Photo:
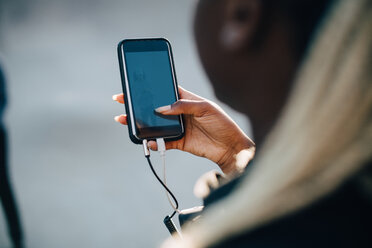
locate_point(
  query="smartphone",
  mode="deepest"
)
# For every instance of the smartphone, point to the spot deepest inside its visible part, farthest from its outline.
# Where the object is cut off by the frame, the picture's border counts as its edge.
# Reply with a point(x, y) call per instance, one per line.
point(149, 81)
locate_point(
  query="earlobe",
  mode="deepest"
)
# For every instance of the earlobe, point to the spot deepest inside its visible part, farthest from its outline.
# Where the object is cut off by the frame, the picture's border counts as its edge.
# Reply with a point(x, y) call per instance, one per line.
point(240, 24)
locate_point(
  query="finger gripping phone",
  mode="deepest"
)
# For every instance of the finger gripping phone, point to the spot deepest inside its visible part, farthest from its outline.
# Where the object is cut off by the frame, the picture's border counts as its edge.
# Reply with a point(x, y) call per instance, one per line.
point(149, 81)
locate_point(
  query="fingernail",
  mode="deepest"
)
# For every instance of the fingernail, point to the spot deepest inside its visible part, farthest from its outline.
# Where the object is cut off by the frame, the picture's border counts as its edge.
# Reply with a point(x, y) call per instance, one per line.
point(116, 118)
point(115, 97)
point(163, 109)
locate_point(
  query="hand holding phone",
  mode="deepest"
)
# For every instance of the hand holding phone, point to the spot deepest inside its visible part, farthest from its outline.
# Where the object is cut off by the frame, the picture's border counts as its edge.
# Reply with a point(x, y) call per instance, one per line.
point(209, 131)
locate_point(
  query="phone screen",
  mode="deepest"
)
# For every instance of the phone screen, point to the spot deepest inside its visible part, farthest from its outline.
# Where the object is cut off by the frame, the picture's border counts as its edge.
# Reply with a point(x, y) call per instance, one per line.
point(151, 84)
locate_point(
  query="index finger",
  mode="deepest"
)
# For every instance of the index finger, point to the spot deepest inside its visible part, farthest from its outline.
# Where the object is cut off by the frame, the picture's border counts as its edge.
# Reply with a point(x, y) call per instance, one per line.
point(185, 94)
point(118, 97)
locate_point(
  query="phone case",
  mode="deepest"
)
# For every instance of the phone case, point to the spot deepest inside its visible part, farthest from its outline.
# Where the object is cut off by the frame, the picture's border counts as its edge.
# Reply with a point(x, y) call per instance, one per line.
point(132, 137)
point(120, 56)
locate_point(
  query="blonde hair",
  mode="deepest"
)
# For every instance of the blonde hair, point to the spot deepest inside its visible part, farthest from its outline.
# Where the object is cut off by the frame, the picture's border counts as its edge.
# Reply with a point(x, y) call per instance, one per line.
point(323, 137)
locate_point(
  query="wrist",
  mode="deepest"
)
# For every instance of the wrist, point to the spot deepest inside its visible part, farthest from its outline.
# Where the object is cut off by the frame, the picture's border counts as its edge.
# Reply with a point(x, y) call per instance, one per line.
point(237, 157)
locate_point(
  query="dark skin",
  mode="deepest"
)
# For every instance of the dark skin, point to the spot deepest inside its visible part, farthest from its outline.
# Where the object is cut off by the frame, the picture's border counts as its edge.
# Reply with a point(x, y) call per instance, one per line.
point(250, 53)
point(253, 77)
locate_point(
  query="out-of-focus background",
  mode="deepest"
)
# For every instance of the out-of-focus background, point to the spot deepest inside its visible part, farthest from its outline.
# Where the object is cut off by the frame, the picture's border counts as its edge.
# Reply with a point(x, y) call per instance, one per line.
point(78, 179)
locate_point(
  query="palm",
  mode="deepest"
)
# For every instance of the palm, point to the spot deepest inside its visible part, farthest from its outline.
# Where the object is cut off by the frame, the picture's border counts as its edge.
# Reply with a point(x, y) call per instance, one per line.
point(199, 141)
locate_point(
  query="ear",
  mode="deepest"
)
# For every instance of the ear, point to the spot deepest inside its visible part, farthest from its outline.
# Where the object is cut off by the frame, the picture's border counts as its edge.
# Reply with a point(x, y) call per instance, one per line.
point(241, 19)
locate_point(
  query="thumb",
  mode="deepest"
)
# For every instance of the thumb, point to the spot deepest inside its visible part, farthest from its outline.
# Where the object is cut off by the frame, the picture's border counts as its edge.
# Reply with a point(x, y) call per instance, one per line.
point(185, 106)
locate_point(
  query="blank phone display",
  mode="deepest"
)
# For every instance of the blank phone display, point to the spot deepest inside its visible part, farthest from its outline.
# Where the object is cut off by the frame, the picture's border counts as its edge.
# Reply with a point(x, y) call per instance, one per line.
point(151, 85)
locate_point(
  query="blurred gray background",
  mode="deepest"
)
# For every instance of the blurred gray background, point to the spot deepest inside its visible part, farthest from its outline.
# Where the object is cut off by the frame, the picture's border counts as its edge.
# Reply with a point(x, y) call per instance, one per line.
point(78, 179)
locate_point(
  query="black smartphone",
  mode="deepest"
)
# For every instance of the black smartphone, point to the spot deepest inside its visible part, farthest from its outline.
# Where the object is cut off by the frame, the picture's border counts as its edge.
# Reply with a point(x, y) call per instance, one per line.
point(149, 81)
